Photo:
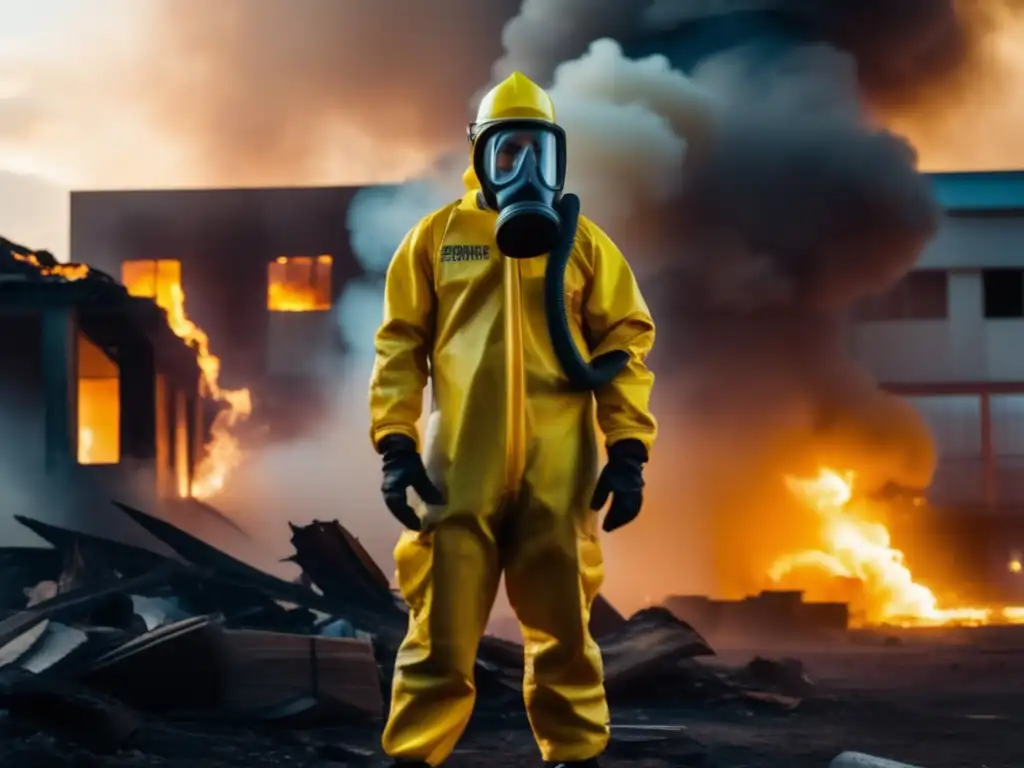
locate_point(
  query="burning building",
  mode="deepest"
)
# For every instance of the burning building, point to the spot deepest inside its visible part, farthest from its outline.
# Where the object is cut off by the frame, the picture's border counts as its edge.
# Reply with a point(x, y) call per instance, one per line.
point(260, 270)
point(97, 388)
point(947, 337)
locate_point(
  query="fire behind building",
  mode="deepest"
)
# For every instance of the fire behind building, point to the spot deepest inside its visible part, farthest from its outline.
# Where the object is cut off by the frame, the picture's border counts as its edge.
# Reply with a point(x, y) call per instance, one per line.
point(134, 376)
point(259, 270)
point(97, 390)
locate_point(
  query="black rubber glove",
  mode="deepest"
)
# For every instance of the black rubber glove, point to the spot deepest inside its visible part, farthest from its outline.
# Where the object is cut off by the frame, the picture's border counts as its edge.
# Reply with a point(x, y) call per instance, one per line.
point(403, 469)
point(623, 480)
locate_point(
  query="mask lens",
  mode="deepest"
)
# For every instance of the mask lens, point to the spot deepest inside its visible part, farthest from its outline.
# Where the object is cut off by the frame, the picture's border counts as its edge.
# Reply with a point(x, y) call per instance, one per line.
point(506, 151)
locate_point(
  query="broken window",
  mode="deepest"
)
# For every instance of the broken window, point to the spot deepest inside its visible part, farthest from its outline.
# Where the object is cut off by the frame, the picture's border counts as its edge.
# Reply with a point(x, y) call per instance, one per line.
point(155, 279)
point(1003, 292)
point(99, 405)
point(299, 284)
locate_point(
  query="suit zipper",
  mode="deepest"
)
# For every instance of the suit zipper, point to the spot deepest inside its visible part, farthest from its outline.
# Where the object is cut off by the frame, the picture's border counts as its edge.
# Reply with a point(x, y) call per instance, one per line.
point(515, 413)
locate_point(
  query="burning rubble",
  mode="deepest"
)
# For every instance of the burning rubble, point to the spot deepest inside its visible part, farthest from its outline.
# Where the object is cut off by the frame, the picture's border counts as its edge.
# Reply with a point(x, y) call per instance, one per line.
point(160, 281)
point(856, 549)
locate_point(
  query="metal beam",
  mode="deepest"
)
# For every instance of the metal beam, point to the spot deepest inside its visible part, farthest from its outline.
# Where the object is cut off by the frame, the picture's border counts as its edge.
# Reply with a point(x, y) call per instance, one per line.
point(60, 387)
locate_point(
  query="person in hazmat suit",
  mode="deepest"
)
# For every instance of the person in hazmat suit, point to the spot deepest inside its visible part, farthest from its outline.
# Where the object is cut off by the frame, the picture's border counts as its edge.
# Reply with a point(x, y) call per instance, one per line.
point(491, 299)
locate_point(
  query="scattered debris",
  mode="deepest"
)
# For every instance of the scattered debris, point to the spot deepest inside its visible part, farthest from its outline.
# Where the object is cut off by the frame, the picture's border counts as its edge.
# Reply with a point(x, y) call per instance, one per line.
point(783, 676)
point(264, 670)
point(776, 614)
point(646, 649)
point(96, 631)
point(637, 742)
point(101, 724)
point(604, 618)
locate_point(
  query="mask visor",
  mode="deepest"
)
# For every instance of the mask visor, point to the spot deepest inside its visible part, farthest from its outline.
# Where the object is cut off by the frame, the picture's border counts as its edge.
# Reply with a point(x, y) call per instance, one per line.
point(506, 153)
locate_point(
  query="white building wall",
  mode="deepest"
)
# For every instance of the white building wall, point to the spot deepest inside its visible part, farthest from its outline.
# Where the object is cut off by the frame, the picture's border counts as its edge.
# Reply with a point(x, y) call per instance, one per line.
point(977, 242)
point(967, 348)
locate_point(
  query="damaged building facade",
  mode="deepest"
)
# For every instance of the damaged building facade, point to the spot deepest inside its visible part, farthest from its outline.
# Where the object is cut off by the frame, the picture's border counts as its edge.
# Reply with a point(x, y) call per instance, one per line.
point(259, 270)
point(100, 390)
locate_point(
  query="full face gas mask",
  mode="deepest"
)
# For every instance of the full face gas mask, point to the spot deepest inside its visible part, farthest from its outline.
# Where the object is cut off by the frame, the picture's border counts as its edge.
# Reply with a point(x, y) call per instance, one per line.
point(521, 167)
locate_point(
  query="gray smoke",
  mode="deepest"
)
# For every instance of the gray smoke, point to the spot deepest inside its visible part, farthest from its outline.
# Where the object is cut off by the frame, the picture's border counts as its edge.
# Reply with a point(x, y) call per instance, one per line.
point(752, 195)
point(758, 204)
point(546, 33)
point(900, 46)
point(264, 91)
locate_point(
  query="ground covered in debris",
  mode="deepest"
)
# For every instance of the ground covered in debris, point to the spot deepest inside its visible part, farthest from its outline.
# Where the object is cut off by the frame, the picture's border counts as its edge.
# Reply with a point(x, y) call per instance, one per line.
point(937, 707)
point(112, 655)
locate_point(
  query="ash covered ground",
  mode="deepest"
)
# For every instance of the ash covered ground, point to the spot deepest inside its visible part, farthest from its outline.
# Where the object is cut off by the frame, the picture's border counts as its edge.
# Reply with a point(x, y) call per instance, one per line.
point(934, 701)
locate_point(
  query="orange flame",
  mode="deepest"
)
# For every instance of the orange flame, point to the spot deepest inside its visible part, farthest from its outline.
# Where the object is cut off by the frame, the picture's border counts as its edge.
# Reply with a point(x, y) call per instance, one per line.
point(854, 546)
point(299, 284)
point(70, 272)
point(223, 451)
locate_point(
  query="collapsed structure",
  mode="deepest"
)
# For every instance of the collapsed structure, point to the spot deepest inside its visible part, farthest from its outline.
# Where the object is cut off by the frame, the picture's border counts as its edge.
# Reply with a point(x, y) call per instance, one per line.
point(262, 270)
point(95, 384)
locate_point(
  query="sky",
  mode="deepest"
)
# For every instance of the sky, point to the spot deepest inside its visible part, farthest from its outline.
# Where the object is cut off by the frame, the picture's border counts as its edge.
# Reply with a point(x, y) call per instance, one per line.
point(35, 177)
point(142, 93)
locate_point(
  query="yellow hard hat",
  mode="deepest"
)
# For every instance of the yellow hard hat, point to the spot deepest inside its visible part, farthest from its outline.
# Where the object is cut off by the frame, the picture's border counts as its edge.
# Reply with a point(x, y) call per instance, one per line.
point(516, 97)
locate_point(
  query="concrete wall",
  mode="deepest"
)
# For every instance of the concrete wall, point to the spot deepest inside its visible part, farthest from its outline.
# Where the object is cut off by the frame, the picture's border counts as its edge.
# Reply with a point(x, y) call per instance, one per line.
point(22, 407)
point(977, 242)
point(964, 348)
point(303, 344)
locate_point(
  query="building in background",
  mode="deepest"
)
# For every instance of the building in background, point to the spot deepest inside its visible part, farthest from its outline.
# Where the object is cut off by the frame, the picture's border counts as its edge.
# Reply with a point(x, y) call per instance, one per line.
point(950, 338)
point(258, 270)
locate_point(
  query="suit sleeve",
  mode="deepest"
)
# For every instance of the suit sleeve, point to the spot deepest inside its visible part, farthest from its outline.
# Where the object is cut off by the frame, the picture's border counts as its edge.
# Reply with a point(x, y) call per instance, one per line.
point(403, 342)
point(617, 318)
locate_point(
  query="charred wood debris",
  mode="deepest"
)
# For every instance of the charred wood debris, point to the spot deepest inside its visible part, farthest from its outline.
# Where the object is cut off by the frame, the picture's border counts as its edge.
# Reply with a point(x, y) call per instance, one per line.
point(99, 637)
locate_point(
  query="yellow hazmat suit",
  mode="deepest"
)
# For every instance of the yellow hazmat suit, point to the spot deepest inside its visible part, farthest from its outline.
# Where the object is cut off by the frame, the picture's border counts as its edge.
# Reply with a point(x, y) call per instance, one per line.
point(514, 451)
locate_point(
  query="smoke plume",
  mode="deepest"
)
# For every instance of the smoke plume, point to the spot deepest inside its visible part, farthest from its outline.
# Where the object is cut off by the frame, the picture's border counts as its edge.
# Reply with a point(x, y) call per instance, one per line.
point(757, 203)
point(269, 89)
point(157, 93)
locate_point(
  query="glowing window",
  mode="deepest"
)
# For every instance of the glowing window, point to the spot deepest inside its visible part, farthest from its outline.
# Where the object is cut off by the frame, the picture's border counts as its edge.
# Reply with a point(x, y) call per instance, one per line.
point(153, 279)
point(99, 405)
point(299, 284)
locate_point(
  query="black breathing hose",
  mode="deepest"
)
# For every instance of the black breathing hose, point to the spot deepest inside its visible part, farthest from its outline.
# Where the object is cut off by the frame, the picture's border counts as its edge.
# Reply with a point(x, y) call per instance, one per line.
point(582, 375)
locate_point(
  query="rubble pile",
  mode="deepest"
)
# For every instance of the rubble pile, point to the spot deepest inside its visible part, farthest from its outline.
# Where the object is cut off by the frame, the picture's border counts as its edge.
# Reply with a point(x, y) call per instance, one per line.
point(95, 631)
